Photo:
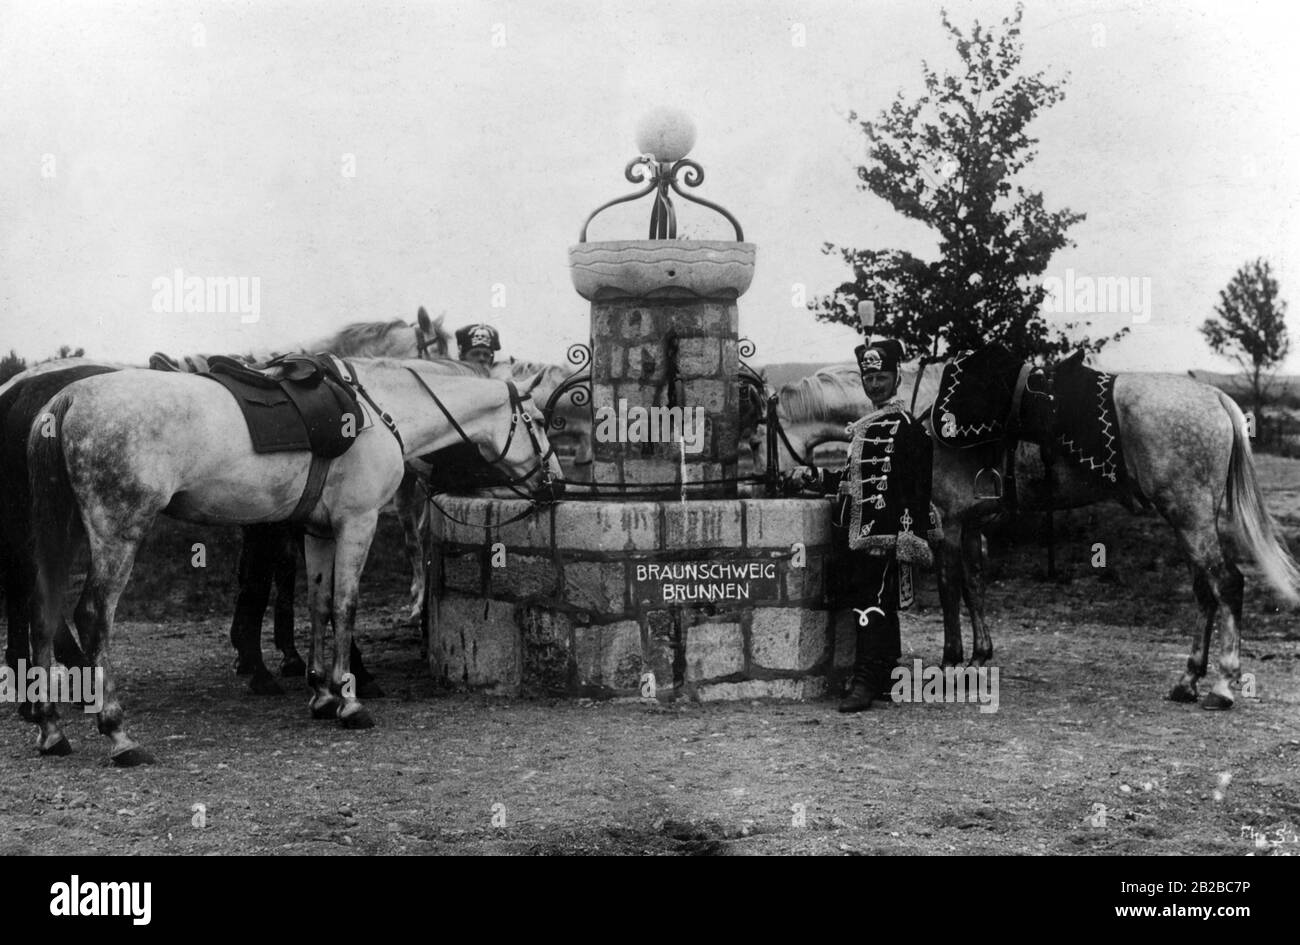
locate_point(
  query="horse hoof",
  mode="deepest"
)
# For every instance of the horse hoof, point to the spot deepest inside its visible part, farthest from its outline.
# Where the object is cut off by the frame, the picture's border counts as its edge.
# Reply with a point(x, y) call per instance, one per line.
point(131, 757)
point(244, 667)
point(58, 749)
point(370, 689)
point(358, 719)
point(292, 667)
point(1182, 694)
point(329, 709)
point(264, 684)
point(1215, 702)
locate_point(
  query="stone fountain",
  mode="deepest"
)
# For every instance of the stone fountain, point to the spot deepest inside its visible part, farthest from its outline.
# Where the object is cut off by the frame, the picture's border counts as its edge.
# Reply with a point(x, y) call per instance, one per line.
point(656, 580)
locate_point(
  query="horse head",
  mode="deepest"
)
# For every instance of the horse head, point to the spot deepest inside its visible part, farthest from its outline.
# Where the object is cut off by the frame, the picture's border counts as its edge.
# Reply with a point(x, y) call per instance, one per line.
point(530, 458)
point(431, 339)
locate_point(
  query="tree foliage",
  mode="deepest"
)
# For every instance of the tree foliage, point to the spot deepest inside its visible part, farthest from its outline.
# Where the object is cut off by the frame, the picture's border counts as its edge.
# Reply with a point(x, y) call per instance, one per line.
point(1250, 326)
point(949, 160)
point(10, 365)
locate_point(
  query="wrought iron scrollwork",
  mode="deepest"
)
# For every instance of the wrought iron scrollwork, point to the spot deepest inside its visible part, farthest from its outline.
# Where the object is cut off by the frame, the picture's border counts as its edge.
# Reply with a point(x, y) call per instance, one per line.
point(663, 178)
point(577, 386)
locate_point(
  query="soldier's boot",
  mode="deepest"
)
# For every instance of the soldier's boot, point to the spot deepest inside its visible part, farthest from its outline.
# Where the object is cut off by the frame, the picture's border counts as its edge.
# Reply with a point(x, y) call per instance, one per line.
point(874, 658)
point(859, 697)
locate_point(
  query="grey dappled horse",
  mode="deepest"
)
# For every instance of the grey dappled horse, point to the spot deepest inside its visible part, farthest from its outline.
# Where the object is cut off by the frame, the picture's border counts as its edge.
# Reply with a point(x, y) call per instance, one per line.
point(129, 445)
point(1185, 448)
point(269, 551)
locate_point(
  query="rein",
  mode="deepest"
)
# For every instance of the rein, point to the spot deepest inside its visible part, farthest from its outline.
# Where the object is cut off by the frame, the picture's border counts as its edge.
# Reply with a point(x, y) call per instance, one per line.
point(774, 424)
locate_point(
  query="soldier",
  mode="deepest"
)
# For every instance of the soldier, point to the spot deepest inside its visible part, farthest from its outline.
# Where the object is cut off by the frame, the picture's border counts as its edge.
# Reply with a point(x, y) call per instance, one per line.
point(882, 521)
point(478, 344)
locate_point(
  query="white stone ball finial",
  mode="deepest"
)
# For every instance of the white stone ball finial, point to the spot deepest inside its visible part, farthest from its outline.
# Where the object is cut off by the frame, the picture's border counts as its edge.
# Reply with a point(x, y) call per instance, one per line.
point(667, 133)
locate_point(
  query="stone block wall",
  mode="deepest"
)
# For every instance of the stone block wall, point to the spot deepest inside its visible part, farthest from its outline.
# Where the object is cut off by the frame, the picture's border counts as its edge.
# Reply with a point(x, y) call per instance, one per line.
point(553, 604)
point(661, 353)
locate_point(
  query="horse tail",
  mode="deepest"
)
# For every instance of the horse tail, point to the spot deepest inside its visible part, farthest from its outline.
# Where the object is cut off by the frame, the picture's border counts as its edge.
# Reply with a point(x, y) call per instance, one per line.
point(56, 519)
point(1257, 530)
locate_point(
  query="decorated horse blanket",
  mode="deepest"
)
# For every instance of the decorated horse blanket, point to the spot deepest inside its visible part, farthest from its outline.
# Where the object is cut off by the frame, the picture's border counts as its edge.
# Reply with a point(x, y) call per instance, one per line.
point(974, 402)
point(1086, 429)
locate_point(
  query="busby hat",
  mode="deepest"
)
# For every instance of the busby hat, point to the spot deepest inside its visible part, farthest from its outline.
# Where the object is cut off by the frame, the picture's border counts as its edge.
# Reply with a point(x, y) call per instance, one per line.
point(884, 355)
point(477, 336)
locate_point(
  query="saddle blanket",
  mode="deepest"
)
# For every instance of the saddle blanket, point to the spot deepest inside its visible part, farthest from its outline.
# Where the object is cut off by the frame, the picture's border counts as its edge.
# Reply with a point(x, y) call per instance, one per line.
point(1086, 429)
point(973, 404)
point(308, 406)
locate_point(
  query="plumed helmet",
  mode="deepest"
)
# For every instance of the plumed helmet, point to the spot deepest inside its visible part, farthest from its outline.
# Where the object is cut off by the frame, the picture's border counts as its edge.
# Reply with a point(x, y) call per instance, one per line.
point(884, 355)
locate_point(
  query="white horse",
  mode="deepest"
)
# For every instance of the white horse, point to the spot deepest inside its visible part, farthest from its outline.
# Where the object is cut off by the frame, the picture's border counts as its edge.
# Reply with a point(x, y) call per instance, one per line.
point(115, 450)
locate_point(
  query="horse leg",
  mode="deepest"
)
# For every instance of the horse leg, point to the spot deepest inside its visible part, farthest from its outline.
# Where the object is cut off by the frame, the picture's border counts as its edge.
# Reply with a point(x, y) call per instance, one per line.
point(113, 546)
point(1231, 592)
point(949, 572)
point(407, 502)
point(256, 559)
point(18, 644)
point(19, 585)
point(288, 538)
point(1209, 574)
point(46, 612)
point(972, 559)
point(367, 686)
point(319, 555)
point(351, 545)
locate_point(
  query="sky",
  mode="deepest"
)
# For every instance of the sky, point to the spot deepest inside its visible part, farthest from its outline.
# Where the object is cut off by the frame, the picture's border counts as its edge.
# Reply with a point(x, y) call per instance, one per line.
point(355, 161)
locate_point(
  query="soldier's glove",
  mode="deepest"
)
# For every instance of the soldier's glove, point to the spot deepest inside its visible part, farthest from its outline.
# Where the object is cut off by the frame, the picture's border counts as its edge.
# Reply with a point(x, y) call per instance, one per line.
point(799, 480)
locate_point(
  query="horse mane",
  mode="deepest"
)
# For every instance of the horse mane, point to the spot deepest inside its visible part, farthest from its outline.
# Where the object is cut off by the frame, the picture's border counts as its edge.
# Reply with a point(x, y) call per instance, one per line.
point(427, 365)
point(834, 394)
point(369, 339)
point(830, 394)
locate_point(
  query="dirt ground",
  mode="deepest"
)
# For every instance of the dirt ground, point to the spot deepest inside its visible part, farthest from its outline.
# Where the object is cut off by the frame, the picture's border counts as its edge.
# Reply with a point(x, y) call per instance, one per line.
point(1085, 754)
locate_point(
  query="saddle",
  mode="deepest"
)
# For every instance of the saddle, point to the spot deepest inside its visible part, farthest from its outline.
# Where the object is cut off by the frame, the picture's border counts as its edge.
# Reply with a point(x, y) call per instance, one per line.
point(1086, 425)
point(298, 402)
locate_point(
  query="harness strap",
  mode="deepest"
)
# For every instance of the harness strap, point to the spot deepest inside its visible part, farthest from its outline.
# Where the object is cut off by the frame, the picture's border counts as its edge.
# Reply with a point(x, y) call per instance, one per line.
point(311, 493)
point(349, 374)
point(1021, 381)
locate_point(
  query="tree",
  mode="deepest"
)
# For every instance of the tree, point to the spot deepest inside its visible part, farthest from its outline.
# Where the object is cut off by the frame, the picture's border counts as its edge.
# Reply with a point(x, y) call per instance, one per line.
point(949, 160)
point(1251, 328)
point(10, 365)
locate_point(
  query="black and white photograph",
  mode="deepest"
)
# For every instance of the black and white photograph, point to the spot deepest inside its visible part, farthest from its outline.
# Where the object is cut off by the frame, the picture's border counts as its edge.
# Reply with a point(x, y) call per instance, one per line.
point(755, 427)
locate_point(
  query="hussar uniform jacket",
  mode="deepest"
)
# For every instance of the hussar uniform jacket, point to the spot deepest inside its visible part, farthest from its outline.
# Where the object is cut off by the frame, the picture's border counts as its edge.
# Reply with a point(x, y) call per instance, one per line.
point(884, 488)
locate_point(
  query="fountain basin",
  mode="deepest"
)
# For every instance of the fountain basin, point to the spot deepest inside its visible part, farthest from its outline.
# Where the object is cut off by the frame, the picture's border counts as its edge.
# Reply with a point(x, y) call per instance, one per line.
point(714, 599)
point(651, 269)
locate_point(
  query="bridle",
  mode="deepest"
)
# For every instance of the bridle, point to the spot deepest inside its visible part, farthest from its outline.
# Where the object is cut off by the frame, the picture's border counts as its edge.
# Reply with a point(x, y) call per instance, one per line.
point(423, 343)
point(518, 412)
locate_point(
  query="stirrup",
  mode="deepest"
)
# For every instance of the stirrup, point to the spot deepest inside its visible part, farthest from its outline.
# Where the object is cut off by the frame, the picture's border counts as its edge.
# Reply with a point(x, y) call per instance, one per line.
point(988, 483)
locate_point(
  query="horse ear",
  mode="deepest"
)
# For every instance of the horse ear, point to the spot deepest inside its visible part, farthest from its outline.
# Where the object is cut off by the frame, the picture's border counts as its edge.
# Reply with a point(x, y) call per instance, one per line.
point(422, 317)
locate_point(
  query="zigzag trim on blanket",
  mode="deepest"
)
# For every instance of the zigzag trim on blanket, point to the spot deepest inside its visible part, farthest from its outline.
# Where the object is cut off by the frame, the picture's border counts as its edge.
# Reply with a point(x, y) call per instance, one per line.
point(1108, 466)
point(977, 429)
